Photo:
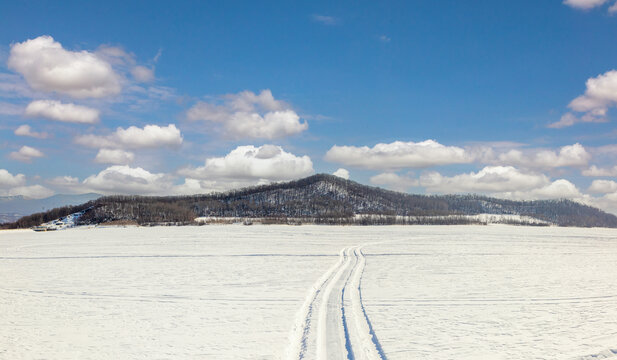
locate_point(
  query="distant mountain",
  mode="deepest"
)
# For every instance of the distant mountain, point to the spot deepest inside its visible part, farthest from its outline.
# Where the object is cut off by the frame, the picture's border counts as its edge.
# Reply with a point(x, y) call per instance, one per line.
point(331, 200)
point(15, 207)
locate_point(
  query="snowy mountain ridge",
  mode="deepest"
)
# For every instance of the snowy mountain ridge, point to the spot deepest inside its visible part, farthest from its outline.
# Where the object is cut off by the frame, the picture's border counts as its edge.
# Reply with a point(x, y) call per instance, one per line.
point(328, 199)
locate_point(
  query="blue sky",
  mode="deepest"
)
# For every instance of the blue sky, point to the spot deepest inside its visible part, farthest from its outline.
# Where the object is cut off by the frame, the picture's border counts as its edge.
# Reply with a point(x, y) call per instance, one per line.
point(510, 99)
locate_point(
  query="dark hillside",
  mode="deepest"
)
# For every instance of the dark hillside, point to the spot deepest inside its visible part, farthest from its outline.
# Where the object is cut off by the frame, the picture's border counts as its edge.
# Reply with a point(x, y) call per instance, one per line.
point(324, 199)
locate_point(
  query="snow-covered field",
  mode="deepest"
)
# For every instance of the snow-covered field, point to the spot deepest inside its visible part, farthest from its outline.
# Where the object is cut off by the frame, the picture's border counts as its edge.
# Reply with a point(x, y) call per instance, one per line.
point(313, 292)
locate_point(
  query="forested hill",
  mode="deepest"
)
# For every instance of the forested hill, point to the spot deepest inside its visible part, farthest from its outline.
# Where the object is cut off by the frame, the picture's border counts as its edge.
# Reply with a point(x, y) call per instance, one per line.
point(323, 199)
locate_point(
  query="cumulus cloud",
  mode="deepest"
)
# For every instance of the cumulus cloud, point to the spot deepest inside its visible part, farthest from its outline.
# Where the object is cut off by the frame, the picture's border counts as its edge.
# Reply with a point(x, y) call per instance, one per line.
point(394, 181)
point(570, 155)
point(250, 115)
point(122, 179)
point(585, 4)
point(48, 67)
point(196, 186)
point(600, 94)
point(12, 185)
point(608, 202)
point(26, 154)
point(599, 90)
point(254, 164)
point(596, 171)
point(31, 192)
point(499, 181)
point(491, 179)
point(603, 187)
point(398, 155)
point(150, 136)
point(199, 186)
point(55, 110)
point(244, 166)
point(503, 182)
point(429, 153)
point(26, 130)
point(558, 189)
point(342, 173)
point(114, 156)
point(8, 180)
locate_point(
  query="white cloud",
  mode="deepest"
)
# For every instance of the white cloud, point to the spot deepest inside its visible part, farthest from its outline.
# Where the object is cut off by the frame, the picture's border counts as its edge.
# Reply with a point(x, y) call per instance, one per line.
point(324, 19)
point(199, 186)
point(584, 4)
point(429, 153)
point(600, 94)
point(26, 154)
point(569, 119)
point(32, 191)
point(66, 182)
point(254, 165)
point(48, 67)
point(244, 166)
point(114, 156)
point(607, 202)
point(394, 181)
point(603, 187)
point(398, 155)
point(12, 185)
point(25, 130)
point(558, 189)
point(193, 186)
point(498, 181)
point(122, 179)
point(250, 115)
point(115, 55)
point(570, 155)
point(606, 150)
point(151, 136)
point(142, 74)
point(8, 180)
point(55, 110)
point(596, 171)
point(491, 179)
point(342, 173)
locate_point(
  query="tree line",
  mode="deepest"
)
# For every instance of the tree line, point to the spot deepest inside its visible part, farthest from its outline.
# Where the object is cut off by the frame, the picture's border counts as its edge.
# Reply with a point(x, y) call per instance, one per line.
point(320, 199)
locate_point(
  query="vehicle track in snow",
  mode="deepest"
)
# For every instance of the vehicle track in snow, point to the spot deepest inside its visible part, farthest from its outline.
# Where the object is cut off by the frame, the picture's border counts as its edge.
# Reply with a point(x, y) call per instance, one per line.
point(332, 323)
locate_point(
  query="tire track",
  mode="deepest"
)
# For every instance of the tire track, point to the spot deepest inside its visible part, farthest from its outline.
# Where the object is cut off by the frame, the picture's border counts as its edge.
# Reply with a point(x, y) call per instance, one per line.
point(298, 345)
point(366, 345)
point(330, 326)
point(332, 323)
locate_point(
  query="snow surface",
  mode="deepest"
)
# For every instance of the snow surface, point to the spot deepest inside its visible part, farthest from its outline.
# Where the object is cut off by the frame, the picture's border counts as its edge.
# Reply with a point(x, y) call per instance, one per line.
point(274, 292)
